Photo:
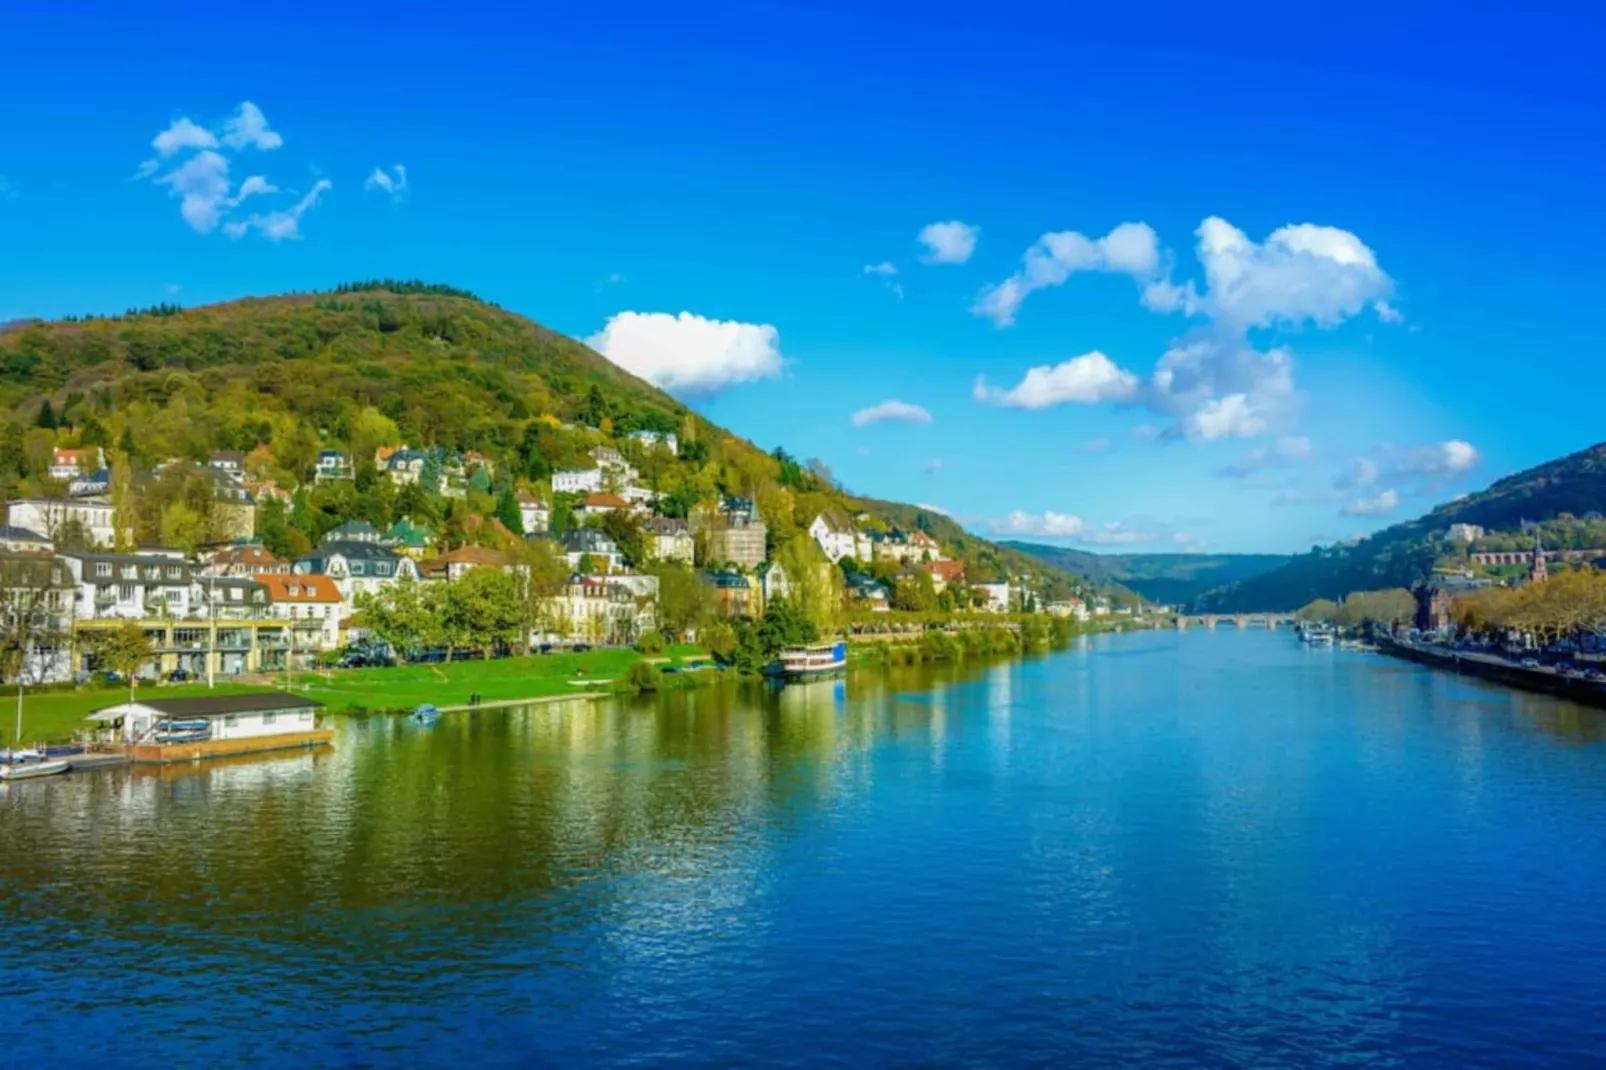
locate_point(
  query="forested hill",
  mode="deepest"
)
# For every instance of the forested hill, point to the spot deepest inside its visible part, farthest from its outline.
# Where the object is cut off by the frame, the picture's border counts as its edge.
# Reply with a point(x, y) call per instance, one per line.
point(368, 365)
point(1168, 579)
point(1400, 555)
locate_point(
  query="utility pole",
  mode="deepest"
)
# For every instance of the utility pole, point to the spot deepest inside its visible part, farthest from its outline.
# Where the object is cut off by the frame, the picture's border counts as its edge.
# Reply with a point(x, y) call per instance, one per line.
point(211, 631)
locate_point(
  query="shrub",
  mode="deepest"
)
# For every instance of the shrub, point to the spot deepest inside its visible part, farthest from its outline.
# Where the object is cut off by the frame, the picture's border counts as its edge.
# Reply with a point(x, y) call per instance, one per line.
point(651, 644)
point(643, 676)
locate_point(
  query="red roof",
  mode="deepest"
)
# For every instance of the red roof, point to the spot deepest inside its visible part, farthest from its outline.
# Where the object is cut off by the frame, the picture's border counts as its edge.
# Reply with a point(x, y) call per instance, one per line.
point(288, 588)
point(947, 571)
point(605, 501)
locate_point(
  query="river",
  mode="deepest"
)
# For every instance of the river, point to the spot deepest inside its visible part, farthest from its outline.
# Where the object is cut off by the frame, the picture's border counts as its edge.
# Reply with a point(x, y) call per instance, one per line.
point(1157, 849)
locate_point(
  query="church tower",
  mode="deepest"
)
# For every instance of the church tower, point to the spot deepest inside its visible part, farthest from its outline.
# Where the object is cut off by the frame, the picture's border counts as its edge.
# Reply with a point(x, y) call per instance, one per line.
point(1538, 573)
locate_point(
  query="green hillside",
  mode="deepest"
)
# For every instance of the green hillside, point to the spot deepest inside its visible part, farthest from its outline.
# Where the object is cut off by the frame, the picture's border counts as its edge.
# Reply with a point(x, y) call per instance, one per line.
point(1400, 555)
point(375, 364)
point(1169, 579)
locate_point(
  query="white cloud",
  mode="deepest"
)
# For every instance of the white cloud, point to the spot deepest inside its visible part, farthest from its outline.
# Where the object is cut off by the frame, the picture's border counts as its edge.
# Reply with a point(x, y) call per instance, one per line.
point(254, 186)
point(1213, 381)
point(1114, 533)
point(182, 135)
point(1382, 503)
point(932, 508)
point(1087, 380)
point(201, 179)
point(202, 185)
point(1443, 459)
point(1130, 249)
point(1387, 312)
point(689, 353)
point(1301, 272)
point(948, 243)
point(1285, 451)
point(891, 409)
point(1020, 522)
point(283, 225)
point(1096, 445)
point(933, 466)
point(1233, 416)
point(886, 267)
point(393, 183)
point(248, 128)
point(1361, 472)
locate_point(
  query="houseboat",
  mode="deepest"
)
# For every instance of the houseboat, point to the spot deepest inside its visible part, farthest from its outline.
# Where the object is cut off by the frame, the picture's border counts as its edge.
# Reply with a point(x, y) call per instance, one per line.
point(210, 726)
point(800, 662)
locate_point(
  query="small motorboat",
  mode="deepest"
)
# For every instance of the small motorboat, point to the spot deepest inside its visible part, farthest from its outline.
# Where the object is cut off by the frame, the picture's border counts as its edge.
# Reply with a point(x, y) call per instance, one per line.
point(426, 714)
point(24, 766)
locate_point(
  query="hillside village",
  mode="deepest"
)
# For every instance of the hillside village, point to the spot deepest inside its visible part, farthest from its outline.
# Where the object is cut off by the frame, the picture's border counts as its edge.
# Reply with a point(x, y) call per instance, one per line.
point(237, 563)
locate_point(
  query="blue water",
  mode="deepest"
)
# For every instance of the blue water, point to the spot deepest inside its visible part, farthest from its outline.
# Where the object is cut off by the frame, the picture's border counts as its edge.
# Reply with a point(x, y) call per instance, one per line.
point(1152, 850)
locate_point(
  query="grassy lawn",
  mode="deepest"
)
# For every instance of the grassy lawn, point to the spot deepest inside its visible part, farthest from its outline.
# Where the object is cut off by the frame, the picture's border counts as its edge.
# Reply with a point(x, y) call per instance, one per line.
point(52, 717)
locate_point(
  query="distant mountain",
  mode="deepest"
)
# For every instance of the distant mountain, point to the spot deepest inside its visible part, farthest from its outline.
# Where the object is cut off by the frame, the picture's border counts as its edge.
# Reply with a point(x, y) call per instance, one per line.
point(1400, 555)
point(1170, 579)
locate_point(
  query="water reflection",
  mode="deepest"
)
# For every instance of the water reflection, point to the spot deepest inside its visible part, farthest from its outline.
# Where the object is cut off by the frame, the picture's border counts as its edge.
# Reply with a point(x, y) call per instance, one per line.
point(1215, 844)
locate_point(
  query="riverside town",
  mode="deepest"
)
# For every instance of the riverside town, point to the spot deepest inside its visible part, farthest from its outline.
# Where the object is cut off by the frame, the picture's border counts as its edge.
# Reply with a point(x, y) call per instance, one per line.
point(840, 536)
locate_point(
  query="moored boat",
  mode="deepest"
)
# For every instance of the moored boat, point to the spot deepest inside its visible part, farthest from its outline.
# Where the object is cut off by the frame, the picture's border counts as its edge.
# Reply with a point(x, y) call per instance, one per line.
point(426, 714)
point(815, 659)
point(32, 767)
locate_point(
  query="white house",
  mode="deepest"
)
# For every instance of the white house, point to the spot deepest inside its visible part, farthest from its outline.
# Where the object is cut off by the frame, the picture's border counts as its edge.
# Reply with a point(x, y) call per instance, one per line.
point(589, 542)
point(21, 540)
point(998, 596)
point(67, 463)
point(356, 568)
point(247, 716)
point(332, 465)
point(311, 603)
point(129, 586)
point(668, 539)
point(1465, 533)
point(835, 535)
point(534, 514)
point(48, 516)
point(665, 439)
point(577, 481)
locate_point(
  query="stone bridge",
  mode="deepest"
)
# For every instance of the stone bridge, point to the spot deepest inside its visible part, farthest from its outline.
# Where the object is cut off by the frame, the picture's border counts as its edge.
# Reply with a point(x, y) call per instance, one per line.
point(1240, 621)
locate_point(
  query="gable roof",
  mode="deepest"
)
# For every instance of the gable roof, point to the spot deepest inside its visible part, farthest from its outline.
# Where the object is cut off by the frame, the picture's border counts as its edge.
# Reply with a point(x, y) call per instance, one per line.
point(604, 501)
point(587, 541)
point(836, 521)
point(252, 554)
point(305, 587)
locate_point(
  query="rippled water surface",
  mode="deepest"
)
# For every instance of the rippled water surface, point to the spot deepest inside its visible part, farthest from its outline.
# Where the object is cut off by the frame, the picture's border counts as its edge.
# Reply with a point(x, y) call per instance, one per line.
point(1215, 849)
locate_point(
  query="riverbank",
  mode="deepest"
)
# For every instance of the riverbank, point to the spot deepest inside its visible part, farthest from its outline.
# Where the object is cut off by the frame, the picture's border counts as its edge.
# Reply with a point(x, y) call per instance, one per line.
point(53, 716)
point(1543, 680)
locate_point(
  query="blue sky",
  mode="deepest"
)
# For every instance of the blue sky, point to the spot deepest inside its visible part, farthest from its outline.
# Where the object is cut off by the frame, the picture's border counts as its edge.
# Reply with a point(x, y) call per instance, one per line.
point(1394, 299)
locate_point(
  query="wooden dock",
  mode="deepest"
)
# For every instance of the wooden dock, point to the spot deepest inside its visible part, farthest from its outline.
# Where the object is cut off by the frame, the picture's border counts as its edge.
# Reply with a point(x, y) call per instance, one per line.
point(168, 753)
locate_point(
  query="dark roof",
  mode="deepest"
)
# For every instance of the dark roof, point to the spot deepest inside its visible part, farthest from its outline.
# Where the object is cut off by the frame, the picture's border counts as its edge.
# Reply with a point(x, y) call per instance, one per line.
point(217, 705)
point(16, 534)
point(587, 541)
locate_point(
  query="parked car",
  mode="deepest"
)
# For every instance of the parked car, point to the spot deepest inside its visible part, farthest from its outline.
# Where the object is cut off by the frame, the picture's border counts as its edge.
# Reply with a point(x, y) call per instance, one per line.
point(1594, 674)
point(1529, 663)
point(179, 676)
point(580, 648)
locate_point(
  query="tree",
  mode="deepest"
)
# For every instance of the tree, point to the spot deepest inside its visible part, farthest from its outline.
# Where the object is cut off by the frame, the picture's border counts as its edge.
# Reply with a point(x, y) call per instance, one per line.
point(47, 416)
point(816, 587)
point(626, 532)
point(124, 650)
point(72, 535)
point(507, 510)
point(273, 529)
point(483, 607)
point(125, 505)
point(32, 628)
point(125, 442)
point(684, 601)
point(396, 615)
point(914, 592)
point(1321, 610)
point(183, 527)
point(784, 625)
point(539, 575)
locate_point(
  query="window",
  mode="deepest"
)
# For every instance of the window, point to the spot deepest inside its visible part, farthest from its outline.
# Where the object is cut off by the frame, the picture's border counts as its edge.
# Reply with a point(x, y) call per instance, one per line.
point(125, 592)
point(268, 718)
point(103, 568)
point(304, 715)
point(230, 720)
point(130, 572)
point(174, 572)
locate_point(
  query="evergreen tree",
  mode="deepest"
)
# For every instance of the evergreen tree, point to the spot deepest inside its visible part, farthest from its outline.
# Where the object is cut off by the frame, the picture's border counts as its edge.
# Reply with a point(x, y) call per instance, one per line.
point(507, 511)
point(126, 442)
point(47, 416)
point(273, 528)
